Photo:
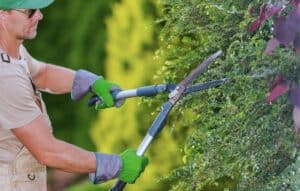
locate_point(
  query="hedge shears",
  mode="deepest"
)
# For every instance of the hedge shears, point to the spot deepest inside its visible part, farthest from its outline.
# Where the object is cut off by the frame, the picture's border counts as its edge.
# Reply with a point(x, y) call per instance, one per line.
point(175, 93)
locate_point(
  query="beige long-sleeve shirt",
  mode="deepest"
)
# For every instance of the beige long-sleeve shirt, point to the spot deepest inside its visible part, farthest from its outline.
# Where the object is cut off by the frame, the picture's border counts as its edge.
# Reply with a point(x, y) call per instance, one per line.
point(20, 103)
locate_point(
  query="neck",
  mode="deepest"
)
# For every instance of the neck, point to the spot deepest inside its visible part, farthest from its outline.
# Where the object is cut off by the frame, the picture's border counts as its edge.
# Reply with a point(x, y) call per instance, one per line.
point(10, 45)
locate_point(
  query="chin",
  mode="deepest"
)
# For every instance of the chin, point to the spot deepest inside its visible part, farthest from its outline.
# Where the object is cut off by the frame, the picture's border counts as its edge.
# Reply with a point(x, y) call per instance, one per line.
point(29, 37)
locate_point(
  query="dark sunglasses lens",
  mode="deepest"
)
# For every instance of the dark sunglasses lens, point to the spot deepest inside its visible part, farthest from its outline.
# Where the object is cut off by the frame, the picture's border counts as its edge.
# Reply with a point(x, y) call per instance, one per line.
point(31, 12)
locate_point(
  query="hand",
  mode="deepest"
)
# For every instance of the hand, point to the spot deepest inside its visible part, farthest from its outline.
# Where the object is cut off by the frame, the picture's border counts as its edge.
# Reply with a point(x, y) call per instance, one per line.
point(104, 90)
point(132, 166)
point(85, 82)
point(127, 166)
point(108, 166)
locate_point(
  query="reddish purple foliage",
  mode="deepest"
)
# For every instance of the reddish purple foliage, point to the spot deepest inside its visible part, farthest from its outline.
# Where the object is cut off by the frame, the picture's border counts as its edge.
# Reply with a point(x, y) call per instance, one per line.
point(297, 44)
point(278, 87)
point(286, 30)
point(295, 2)
point(266, 11)
point(271, 45)
point(295, 97)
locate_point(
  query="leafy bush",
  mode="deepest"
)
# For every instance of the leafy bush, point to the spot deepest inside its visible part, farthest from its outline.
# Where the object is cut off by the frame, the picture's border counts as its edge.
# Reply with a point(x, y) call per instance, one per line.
point(238, 140)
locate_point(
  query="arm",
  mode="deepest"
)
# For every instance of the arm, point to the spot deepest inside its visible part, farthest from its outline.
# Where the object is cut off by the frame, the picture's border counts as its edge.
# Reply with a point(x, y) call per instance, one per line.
point(55, 79)
point(52, 152)
point(20, 114)
point(59, 80)
point(48, 77)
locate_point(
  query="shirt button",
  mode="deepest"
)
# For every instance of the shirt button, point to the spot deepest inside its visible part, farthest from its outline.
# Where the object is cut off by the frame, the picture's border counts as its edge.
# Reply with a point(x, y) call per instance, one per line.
point(31, 176)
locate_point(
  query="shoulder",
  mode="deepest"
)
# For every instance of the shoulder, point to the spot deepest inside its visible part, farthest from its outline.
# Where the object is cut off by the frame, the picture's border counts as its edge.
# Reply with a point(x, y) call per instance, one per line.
point(10, 71)
point(14, 81)
point(18, 105)
point(34, 65)
point(14, 78)
point(4, 58)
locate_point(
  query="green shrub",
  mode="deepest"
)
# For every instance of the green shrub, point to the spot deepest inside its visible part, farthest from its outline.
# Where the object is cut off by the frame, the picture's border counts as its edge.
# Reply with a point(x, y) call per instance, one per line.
point(238, 140)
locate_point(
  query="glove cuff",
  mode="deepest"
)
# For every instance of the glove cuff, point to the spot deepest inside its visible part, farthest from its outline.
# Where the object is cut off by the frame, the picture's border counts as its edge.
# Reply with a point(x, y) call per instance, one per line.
point(82, 84)
point(108, 166)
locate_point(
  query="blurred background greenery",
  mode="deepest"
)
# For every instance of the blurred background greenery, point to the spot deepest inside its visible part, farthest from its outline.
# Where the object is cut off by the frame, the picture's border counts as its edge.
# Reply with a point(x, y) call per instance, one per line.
point(225, 139)
point(116, 39)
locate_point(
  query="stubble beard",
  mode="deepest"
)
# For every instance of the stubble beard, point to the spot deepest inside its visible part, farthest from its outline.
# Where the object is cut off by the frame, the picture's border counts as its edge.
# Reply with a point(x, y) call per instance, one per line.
point(29, 36)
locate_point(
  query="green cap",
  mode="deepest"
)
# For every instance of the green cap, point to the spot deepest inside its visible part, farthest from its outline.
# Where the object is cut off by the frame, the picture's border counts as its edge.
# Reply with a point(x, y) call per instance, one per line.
point(24, 4)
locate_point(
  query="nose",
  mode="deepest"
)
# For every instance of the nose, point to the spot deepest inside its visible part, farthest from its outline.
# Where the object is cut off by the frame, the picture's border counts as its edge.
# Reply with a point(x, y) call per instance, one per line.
point(38, 15)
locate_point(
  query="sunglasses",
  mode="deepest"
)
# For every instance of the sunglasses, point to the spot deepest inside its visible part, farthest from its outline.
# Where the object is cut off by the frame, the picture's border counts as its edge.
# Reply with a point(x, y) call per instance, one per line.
point(28, 12)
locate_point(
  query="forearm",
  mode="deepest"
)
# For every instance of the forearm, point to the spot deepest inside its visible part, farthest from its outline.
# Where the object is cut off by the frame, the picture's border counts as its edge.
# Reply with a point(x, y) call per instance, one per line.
point(38, 139)
point(69, 158)
point(52, 152)
point(54, 79)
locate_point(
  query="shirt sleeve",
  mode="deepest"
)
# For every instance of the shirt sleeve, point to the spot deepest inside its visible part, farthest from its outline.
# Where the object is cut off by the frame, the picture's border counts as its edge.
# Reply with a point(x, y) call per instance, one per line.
point(34, 65)
point(17, 104)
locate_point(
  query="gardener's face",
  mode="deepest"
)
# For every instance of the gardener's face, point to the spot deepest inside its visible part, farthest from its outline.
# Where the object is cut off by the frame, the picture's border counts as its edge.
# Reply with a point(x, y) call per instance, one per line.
point(22, 23)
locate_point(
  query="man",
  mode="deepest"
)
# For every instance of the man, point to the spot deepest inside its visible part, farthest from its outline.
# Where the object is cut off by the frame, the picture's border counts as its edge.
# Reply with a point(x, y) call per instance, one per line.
point(27, 145)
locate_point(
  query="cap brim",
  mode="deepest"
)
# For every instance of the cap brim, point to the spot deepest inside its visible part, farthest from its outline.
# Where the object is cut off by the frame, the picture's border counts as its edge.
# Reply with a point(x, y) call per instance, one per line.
point(35, 4)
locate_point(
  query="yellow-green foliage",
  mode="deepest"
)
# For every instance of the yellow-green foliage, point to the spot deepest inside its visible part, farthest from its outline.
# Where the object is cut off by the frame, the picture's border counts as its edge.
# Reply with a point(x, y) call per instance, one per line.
point(130, 51)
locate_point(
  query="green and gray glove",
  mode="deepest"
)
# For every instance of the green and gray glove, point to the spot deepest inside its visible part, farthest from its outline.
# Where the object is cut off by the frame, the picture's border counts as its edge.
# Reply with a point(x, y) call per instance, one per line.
point(104, 90)
point(101, 89)
point(127, 166)
point(132, 166)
